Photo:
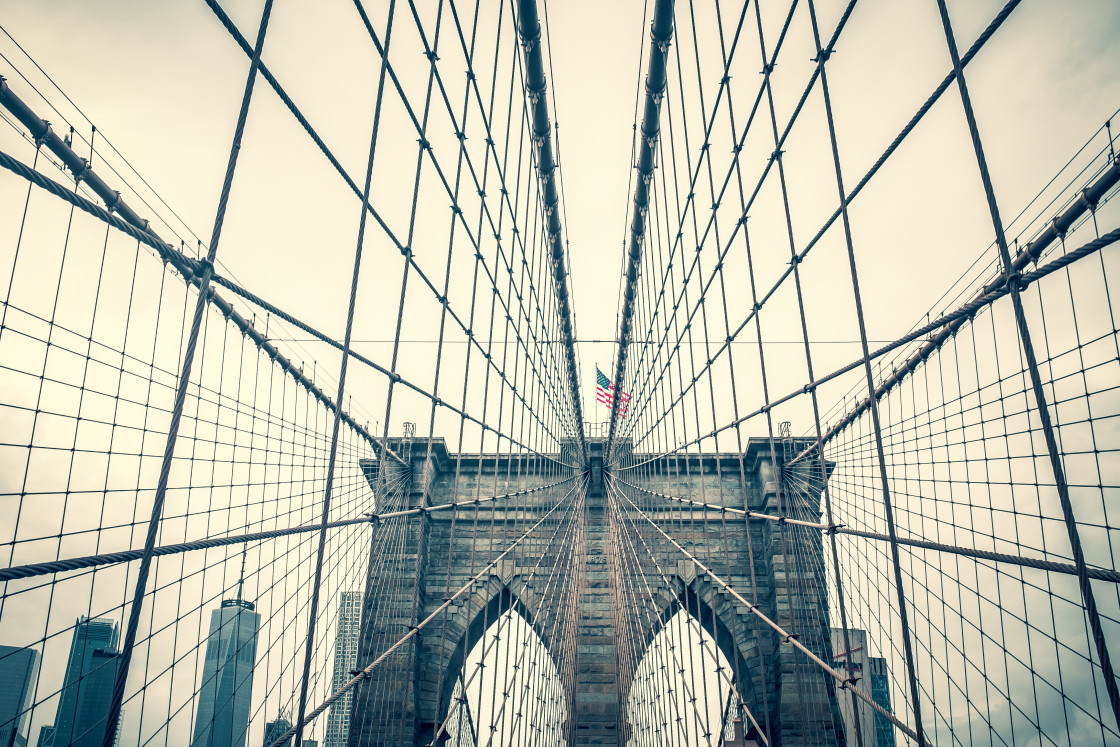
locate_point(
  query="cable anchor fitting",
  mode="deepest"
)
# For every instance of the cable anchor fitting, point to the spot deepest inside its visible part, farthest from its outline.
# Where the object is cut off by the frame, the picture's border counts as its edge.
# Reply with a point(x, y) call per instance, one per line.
point(81, 174)
point(42, 138)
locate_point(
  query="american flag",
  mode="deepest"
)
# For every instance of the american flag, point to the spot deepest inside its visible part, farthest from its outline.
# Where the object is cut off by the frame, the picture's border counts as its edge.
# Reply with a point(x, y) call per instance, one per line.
point(604, 392)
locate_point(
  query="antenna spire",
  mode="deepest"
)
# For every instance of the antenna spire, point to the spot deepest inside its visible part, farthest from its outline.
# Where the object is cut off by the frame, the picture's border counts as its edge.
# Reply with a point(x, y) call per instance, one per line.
point(241, 577)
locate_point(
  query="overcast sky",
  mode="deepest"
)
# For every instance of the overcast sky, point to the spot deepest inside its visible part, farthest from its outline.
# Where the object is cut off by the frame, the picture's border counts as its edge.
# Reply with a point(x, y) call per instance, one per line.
point(162, 81)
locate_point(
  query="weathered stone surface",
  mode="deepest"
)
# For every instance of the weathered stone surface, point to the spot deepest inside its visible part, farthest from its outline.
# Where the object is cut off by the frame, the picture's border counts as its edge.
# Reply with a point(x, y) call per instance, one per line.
point(422, 560)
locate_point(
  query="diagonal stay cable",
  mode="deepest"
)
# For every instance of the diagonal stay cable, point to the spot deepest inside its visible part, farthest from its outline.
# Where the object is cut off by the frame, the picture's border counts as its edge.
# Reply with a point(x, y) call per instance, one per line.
point(415, 630)
point(129, 642)
point(447, 186)
point(1100, 574)
point(1104, 657)
point(786, 637)
point(189, 268)
point(661, 35)
point(1053, 231)
point(968, 310)
point(401, 247)
point(988, 32)
point(536, 85)
point(690, 198)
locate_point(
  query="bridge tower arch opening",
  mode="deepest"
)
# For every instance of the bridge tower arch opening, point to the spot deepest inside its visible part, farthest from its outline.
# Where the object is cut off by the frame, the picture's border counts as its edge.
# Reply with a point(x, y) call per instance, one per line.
point(502, 684)
point(692, 677)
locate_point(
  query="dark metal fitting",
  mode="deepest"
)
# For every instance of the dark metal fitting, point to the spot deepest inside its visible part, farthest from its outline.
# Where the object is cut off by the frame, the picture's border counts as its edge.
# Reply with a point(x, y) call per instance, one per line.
point(789, 638)
point(394, 377)
point(725, 80)
point(424, 144)
point(81, 174)
point(834, 529)
point(461, 135)
point(822, 56)
point(39, 141)
point(431, 55)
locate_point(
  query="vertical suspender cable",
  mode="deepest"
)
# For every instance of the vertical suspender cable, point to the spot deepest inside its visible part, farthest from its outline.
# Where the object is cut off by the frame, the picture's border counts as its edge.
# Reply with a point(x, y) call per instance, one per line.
point(113, 719)
point(529, 28)
point(1052, 447)
point(661, 34)
point(313, 612)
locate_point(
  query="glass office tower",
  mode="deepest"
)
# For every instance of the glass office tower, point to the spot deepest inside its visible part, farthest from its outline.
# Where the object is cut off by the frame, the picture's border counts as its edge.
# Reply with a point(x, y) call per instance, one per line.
point(225, 694)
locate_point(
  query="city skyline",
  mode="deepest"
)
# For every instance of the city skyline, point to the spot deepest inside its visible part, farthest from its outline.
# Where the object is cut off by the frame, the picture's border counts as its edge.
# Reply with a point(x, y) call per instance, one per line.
point(224, 691)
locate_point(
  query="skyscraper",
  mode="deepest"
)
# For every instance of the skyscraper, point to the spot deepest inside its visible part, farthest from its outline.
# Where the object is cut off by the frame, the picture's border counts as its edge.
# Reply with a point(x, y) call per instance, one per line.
point(88, 687)
point(46, 736)
point(18, 670)
point(873, 679)
point(345, 660)
point(880, 691)
point(273, 730)
point(226, 691)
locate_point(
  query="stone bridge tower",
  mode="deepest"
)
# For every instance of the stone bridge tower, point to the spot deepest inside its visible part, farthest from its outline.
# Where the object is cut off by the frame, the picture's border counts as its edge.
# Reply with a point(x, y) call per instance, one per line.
point(408, 695)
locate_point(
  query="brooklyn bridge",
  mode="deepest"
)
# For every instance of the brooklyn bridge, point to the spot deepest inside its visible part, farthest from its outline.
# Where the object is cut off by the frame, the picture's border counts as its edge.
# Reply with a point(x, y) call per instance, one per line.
point(302, 441)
